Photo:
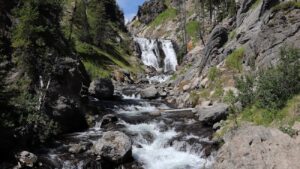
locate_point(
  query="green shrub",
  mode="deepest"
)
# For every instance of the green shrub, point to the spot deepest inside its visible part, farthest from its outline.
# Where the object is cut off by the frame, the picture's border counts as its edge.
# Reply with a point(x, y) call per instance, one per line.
point(245, 85)
point(229, 97)
point(276, 85)
point(235, 59)
point(213, 73)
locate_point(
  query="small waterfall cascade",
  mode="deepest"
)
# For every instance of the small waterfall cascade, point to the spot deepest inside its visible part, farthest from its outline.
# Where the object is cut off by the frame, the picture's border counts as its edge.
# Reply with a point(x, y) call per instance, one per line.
point(149, 51)
point(170, 61)
point(151, 56)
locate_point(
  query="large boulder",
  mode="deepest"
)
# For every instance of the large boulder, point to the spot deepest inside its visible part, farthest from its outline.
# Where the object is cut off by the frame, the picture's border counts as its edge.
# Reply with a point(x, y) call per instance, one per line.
point(212, 114)
point(258, 147)
point(149, 93)
point(64, 99)
point(102, 89)
point(115, 147)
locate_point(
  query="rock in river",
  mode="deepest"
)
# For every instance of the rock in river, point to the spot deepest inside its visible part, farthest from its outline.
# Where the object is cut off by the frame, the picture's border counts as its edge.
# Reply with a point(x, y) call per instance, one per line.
point(212, 114)
point(115, 147)
point(149, 93)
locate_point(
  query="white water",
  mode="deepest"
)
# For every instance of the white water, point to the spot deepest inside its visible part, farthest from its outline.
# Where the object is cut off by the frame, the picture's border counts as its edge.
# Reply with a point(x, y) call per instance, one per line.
point(170, 61)
point(151, 56)
point(158, 154)
point(150, 51)
point(158, 78)
point(131, 97)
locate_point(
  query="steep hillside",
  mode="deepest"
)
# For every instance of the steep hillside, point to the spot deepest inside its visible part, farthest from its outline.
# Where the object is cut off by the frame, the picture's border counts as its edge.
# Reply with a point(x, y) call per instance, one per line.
point(97, 30)
point(49, 52)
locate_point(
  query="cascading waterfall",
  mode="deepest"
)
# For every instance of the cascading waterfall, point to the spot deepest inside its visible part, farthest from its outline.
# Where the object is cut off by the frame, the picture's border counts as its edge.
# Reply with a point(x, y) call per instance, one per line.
point(150, 51)
point(151, 55)
point(170, 61)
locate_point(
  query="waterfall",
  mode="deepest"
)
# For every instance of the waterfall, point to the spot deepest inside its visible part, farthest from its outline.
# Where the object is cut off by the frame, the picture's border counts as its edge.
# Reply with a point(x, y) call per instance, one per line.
point(149, 51)
point(170, 61)
point(151, 56)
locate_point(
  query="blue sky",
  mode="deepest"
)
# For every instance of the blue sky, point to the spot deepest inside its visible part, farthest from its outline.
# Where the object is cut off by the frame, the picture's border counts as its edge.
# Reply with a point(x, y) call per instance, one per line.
point(130, 7)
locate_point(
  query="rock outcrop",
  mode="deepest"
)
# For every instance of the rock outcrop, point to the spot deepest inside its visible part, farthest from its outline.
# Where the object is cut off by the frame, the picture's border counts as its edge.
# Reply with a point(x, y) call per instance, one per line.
point(150, 10)
point(258, 147)
point(64, 97)
point(102, 89)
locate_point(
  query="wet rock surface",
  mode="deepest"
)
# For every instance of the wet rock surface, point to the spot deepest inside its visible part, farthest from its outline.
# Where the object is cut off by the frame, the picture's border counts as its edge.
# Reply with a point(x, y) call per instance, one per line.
point(115, 147)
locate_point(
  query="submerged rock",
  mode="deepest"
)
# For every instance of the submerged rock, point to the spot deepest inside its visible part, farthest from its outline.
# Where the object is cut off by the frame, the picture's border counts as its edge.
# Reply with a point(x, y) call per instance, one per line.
point(115, 147)
point(102, 89)
point(258, 147)
point(149, 93)
point(212, 114)
point(108, 119)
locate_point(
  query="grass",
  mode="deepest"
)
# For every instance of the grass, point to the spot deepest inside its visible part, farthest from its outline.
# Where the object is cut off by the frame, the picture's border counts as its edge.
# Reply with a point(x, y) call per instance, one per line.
point(168, 14)
point(213, 72)
point(286, 5)
point(192, 29)
point(282, 119)
point(234, 60)
point(94, 70)
point(256, 3)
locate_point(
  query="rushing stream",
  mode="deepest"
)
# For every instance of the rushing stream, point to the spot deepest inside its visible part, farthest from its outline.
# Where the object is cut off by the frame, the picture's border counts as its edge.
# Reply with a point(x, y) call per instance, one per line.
point(163, 137)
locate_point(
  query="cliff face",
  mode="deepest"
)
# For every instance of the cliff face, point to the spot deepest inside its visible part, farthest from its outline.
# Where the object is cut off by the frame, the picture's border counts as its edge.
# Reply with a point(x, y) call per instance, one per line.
point(257, 29)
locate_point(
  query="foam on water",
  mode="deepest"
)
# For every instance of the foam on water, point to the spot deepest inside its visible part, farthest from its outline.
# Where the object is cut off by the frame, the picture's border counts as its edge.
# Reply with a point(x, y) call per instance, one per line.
point(136, 109)
point(157, 153)
point(158, 78)
point(132, 97)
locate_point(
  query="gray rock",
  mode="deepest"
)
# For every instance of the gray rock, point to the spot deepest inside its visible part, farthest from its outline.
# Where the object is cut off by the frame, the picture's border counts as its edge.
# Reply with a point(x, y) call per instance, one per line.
point(114, 147)
point(108, 119)
point(149, 93)
point(26, 159)
point(212, 114)
point(102, 89)
point(258, 147)
point(217, 39)
point(244, 7)
point(267, 4)
point(150, 10)
point(64, 100)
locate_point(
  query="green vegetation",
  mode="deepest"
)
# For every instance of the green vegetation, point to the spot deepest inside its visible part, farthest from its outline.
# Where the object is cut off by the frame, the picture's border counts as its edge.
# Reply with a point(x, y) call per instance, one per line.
point(235, 59)
point(168, 14)
point(255, 4)
point(286, 5)
point(213, 73)
point(192, 29)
